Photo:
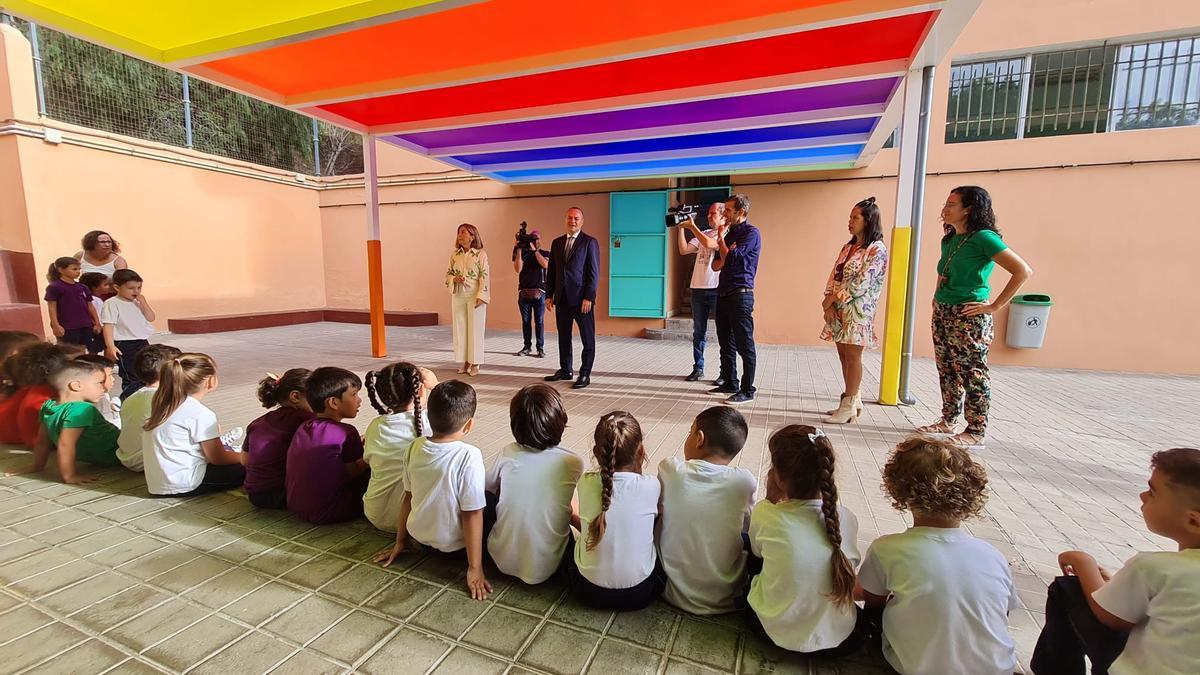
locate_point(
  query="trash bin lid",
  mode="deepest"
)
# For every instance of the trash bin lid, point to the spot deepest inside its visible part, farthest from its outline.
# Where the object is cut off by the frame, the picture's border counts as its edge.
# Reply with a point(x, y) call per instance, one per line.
point(1032, 299)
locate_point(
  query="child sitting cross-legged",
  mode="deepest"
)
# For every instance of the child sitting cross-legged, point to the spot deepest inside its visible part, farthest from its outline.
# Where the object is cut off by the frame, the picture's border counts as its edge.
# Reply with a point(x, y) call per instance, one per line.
point(72, 423)
point(1146, 617)
point(400, 392)
point(444, 498)
point(533, 481)
point(326, 474)
point(268, 437)
point(803, 599)
point(945, 594)
point(617, 568)
point(135, 410)
point(182, 451)
point(705, 510)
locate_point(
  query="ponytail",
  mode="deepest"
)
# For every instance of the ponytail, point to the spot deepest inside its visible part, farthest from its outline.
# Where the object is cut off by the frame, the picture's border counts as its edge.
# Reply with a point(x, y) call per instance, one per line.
point(178, 378)
point(56, 267)
point(803, 460)
point(618, 445)
point(274, 390)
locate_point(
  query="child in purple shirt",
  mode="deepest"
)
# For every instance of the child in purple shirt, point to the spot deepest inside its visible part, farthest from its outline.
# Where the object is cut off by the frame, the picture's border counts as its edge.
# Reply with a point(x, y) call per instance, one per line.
point(268, 437)
point(73, 318)
point(326, 472)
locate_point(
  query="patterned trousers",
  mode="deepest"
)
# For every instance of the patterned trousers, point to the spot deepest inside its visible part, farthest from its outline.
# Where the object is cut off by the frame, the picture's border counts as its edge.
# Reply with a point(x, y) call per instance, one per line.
point(960, 346)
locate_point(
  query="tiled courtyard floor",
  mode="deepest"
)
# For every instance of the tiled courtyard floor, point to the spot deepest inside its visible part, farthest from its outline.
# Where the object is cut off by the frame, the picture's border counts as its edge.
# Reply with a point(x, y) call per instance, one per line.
point(102, 577)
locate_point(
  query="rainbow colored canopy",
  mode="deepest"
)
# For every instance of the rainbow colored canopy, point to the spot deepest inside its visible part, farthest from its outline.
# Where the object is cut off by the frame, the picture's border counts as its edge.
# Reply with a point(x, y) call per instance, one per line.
point(557, 90)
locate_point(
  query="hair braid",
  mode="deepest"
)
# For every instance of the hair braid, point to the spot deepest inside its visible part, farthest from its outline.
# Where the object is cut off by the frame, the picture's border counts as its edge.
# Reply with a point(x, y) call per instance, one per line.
point(414, 381)
point(842, 572)
point(596, 528)
point(372, 379)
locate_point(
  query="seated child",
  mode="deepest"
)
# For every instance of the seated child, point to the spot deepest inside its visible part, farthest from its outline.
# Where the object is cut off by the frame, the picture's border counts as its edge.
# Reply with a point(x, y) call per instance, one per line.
point(803, 600)
point(268, 437)
point(182, 452)
point(945, 595)
point(12, 341)
point(126, 319)
point(534, 480)
point(705, 509)
point(1139, 619)
point(109, 409)
point(72, 423)
point(28, 374)
point(444, 486)
point(399, 392)
point(135, 410)
point(326, 475)
point(617, 567)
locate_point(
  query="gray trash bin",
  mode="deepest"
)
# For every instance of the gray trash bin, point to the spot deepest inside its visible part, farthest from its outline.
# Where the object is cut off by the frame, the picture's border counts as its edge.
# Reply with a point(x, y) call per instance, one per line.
point(1027, 318)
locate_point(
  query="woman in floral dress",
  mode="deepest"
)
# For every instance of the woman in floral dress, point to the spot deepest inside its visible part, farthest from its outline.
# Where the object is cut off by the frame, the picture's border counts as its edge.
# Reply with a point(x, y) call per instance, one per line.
point(851, 297)
point(469, 281)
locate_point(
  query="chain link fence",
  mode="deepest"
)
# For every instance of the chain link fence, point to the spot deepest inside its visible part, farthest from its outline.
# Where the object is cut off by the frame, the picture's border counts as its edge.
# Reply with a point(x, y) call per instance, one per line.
point(85, 84)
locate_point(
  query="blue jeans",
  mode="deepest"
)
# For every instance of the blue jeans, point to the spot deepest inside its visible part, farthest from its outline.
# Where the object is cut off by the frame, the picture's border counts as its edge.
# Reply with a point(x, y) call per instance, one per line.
point(533, 311)
point(735, 331)
point(704, 305)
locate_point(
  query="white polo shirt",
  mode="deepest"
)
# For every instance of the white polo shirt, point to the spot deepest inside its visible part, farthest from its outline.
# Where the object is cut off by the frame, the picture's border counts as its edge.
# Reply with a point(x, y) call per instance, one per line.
point(445, 479)
point(625, 557)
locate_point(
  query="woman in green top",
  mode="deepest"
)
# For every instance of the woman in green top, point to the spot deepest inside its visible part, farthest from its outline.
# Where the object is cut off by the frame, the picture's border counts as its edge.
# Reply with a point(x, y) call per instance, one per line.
point(962, 315)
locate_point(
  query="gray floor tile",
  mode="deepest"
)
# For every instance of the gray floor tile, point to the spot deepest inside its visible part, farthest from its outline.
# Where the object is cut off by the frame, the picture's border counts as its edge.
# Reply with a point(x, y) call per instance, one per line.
point(41, 644)
point(403, 597)
point(220, 591)
point(195, 643)
point(650, 627)
point(263, 603)
point(619, 658)
point(59, 577)
point(353, 636)
point(69, 600)
point(570, 611)
point(92, 656)
point(146, 629)
point(559, 650)
point(255, 653)
point(307, 663)
point(20, 620)
point(358, 584)
point(281, 559)
point(407, 653)
point(318, 571)
point(129, 603)
point(706, 643)
point(466, 662)
point(192, 573)
point(502, 631)
point(449, 614)
point(537, 599)
point(308, 619)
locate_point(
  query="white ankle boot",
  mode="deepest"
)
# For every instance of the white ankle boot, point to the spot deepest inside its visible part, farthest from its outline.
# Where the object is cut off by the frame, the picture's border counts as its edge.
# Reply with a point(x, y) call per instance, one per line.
point(849, 410)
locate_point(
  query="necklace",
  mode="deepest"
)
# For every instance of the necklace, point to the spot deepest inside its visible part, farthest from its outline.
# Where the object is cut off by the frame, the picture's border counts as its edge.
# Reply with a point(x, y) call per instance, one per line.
point(944, 277)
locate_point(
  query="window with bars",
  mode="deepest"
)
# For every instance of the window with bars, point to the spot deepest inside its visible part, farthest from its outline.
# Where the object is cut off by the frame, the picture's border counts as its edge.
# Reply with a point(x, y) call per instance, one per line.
point(1076, 91)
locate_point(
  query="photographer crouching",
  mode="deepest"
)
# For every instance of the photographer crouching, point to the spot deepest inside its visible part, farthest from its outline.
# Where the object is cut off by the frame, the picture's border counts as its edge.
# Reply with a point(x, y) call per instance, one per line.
point(530, 262)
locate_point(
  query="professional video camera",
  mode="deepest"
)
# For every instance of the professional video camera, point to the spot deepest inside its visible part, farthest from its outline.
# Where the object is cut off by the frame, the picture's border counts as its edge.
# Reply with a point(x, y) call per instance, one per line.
point(524, 239)
point(680, 213)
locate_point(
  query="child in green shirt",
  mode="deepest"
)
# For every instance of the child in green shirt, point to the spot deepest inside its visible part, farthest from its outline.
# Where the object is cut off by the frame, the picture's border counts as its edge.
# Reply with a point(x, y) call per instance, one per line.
point(72, 422)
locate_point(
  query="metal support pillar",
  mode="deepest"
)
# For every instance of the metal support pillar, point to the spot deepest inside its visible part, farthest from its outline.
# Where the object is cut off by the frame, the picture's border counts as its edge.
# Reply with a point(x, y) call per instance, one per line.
point(374, 250)
point(918, 213)
point(187, 113)
point(37, 68)
point(316, 139)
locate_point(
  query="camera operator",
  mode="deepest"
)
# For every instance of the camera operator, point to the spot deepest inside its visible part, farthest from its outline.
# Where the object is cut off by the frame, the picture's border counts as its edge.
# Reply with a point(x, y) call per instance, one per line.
point(530, 262)
point(704, 280)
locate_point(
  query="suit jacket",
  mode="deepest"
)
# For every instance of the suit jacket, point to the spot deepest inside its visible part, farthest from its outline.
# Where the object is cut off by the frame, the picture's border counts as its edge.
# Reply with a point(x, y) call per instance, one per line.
point(570, 281)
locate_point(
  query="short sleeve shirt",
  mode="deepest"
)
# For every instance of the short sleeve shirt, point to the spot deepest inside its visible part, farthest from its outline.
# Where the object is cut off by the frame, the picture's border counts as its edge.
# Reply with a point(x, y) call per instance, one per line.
point(98, 442)
point(445, 480)
point(532, 276)
point(266, 446)
point(316, 461)
point(965, 266)
point(73, 302)
point(703, 275)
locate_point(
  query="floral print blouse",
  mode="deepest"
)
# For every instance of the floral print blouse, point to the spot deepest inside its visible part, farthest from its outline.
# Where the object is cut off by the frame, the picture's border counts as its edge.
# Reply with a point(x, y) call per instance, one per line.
point(856, 294)
point(472, 265)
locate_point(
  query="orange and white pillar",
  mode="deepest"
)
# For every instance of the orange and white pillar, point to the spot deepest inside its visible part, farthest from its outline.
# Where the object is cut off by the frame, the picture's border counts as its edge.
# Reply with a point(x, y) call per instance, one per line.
point(374, 249)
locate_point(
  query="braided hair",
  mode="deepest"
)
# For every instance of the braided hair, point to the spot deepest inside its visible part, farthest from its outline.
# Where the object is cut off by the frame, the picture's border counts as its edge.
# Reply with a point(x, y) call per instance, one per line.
point(802, 458)
point(396, 387)
point(618, 440)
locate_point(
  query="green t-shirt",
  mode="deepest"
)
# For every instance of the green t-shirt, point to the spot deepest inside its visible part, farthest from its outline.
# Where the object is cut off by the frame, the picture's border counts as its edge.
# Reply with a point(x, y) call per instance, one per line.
point(966, 277)
point(97, 444)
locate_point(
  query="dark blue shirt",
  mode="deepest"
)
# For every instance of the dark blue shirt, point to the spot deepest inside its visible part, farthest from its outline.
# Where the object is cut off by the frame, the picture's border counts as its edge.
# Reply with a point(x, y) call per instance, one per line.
point(532, 274)
point(741, 264)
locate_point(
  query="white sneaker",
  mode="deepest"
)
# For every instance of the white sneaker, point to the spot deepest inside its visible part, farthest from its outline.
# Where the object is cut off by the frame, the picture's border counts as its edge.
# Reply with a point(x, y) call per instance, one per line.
point(232, 439)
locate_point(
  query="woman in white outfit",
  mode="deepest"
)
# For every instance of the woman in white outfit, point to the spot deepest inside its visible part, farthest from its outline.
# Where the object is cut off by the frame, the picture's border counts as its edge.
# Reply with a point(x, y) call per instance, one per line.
point(101, 253)
point(469, 281)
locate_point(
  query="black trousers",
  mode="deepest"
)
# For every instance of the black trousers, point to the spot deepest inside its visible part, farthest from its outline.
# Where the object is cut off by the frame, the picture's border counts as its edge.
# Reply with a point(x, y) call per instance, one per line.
point(217, 478)
point(269, 499)
point(84, 337)
point(617, 599)
point(129, 351)
point(564, 317)
point(1073, 631)
point(735, 333)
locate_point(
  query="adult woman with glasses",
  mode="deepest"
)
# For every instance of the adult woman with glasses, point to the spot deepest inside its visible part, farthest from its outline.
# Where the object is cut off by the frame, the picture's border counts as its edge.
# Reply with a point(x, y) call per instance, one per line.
point(101, 253)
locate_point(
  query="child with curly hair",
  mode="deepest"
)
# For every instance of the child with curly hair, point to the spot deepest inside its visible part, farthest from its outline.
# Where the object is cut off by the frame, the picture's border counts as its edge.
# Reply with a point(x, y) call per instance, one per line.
point(945, 594)
point(1139, 619)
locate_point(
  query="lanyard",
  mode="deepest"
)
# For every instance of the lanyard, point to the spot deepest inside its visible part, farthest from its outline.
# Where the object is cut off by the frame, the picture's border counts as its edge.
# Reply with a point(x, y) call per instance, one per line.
point(944, 277)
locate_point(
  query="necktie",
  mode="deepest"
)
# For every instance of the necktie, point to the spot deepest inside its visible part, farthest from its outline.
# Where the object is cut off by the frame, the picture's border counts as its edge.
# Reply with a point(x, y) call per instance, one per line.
point(570, 245)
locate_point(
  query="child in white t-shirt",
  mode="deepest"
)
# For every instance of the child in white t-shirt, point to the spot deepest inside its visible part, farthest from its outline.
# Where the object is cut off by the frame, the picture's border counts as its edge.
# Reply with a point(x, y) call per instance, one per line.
point(126, 319)
point(1144, 618)
point(182, 452)
point(705, 512)
point(135, 410)
point(532, 484)
point(400, 393)
point(945, 595)
point(616, 567)
point(803, 599)
point(444, 501)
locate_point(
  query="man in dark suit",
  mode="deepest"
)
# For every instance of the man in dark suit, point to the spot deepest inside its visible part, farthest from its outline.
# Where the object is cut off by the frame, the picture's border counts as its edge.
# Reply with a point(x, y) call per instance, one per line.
point(571, 294)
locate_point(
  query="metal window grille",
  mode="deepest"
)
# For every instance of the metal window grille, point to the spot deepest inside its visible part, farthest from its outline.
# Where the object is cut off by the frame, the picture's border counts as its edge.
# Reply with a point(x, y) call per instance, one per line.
point(88, 85)
point(985, 100)
point(1069, 91)
point(1157, 84)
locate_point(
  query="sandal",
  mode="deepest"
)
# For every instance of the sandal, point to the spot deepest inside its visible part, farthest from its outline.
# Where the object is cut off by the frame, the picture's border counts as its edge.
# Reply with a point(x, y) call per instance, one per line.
point(473, 371)
point(938, 428)
point(968, 440)
point(462, 370)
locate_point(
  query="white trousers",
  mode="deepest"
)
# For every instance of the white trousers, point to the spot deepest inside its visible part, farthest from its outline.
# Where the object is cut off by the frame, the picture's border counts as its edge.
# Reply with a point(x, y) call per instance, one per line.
point(468, 323)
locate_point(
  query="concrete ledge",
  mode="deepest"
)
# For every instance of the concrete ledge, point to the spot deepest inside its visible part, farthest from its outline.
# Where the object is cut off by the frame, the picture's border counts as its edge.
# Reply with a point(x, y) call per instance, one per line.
point(231, 322)
point(22, 316)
